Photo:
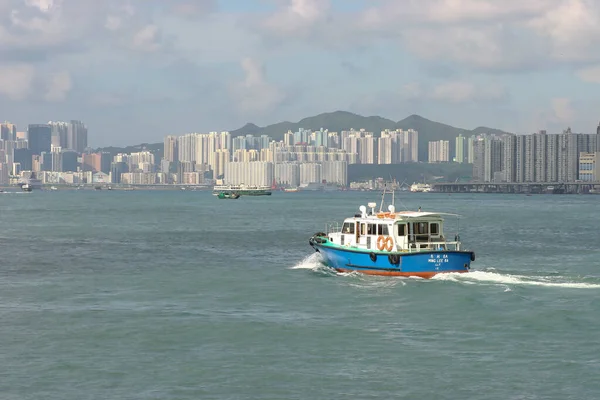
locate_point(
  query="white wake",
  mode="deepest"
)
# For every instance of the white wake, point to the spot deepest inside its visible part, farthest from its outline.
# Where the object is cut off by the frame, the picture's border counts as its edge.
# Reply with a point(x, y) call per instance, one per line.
point(484, 277)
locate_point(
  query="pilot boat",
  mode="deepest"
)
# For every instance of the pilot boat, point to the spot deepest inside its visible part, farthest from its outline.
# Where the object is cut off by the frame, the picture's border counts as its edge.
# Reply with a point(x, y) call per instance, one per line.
point(405, 243)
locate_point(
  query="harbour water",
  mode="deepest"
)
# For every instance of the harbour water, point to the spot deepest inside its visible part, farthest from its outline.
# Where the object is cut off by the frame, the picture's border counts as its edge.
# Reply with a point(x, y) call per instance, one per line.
point(179, 295)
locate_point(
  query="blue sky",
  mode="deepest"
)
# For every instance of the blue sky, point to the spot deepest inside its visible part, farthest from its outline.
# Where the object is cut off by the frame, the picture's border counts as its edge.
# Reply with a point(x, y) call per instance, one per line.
point(137, 70)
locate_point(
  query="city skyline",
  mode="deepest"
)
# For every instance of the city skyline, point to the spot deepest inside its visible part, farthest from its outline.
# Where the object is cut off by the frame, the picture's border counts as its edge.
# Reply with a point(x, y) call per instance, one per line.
point(153, 68)
point(303, 157)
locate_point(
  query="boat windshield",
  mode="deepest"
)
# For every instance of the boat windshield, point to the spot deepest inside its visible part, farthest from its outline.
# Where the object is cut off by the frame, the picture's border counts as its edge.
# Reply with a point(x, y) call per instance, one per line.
point(348, 227)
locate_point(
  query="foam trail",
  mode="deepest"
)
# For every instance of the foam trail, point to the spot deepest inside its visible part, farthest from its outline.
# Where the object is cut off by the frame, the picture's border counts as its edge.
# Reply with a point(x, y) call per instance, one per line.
point(484, 277)
point(312, 262)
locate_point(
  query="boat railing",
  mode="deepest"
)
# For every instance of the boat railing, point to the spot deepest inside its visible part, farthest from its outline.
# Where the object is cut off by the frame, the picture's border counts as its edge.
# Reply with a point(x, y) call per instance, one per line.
point(333, 227)
point(433, 245)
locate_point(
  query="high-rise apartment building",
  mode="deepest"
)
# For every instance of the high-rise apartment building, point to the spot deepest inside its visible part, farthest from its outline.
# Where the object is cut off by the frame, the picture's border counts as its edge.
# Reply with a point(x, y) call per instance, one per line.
point(439, 151)
point(8, 131)
point(249, 173)
point(77, 136)
point(60, 134)
point(589, 167)
point(460, 149)
point(171, 151)
point(39, 138)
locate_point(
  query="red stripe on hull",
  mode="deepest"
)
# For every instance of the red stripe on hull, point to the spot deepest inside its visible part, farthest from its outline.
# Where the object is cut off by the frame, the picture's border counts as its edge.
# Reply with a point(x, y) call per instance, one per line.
point(425, 275)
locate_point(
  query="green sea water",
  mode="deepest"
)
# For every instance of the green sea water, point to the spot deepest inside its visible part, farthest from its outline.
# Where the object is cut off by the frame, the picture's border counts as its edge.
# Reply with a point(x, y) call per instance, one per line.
point(180, 295)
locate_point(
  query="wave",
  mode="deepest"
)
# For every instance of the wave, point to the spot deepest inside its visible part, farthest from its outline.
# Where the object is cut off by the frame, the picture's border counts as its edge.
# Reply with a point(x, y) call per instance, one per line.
point(491, 276)
point(497, 278)
point(314, 263)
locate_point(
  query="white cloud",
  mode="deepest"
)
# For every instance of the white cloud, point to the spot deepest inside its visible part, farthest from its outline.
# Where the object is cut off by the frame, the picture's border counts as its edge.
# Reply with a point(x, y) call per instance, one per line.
point(562, 110)
point(477, 34)
point(42, 5)
point(416, 12)
point(16, 81)
point(193, 8)
point(255, 94)
point(591, 74)
point(573, 29)
point(454, 92)
point(58, 86)
point(461, 92)
point(298, 17)
point(147, 39)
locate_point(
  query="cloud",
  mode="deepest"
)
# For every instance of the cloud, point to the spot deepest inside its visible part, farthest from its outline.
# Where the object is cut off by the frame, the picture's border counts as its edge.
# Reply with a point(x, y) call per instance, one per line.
point(147, 39)
point(562, 110)
point(591, 74)
point(58, 86)
point(572, 29)
point(49, 29)
point(461, 92)
point(417, 12)
point(486, 35)
point(19, 82)
point(42, 5)
point(193, 8)
point(254, 94)
point(456, 92)
point(298, 17)
point(16, 81)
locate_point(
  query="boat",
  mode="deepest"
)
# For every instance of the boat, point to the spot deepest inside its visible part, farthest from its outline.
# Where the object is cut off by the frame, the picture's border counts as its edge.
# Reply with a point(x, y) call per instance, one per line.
point(405, 243)
point(242, 190)
point(420, 187)
point(319, 187)
point(26, 187)
point(291, 190)
point(228, 195)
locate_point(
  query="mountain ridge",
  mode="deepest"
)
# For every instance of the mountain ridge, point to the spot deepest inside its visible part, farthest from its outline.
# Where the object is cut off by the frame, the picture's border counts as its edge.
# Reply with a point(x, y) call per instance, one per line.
point(339, 120)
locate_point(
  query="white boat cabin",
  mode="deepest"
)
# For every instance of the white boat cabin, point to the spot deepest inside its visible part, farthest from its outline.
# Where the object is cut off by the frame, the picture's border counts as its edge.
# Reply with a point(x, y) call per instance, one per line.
point(404, 231)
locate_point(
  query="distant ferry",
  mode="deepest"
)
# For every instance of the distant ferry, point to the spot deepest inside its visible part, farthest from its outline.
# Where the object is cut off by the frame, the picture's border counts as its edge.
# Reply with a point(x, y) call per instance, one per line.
point(324, 187)
point(291, 190)
point(420, 187)
point(242, 190)
point(404, 243)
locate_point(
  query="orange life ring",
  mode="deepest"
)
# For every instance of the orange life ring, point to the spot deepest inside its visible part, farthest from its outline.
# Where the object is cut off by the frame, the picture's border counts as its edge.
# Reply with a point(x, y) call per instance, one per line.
point(389, 243)
point(381, 241)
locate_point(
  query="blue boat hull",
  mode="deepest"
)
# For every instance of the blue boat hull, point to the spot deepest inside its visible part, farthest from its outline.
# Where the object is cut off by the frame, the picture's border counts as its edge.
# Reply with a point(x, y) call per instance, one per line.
point(423, 264)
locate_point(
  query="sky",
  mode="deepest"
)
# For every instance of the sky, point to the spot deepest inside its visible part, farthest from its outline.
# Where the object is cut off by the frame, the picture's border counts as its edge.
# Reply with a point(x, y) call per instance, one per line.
point(137, 70)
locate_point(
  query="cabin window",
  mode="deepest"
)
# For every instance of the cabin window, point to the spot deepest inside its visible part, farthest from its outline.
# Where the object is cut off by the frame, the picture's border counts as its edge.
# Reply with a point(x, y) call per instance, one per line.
point(434, 229)
point(363, 229)
point(382, 230)
point(348, 228)
point(421, 228)
point(371, 229)
point(402, 230)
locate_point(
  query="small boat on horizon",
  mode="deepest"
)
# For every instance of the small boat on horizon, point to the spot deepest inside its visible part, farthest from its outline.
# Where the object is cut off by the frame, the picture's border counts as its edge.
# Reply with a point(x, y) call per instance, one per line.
point(228, 195)
point(405, 243)
point(245, 190)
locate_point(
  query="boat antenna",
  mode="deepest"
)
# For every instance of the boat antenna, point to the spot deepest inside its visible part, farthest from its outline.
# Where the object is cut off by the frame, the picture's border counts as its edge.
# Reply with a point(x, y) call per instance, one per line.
point(393, 181)
point(382, 197)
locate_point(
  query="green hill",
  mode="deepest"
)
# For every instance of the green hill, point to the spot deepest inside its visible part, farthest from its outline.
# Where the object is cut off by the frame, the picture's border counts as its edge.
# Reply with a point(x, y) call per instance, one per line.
point(342, 120)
